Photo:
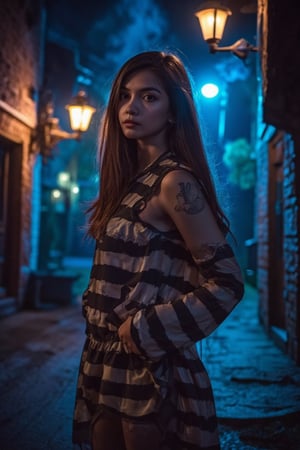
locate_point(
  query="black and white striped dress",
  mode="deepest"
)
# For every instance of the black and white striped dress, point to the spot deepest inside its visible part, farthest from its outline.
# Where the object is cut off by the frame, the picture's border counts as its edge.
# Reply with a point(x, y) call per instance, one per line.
point(175, 300)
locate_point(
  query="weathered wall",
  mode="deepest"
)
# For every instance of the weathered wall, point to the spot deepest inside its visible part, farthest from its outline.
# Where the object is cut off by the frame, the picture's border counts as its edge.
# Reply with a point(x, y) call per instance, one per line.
point(291, 244)
point(279, 125)
point(282, 94)
point(21, 28)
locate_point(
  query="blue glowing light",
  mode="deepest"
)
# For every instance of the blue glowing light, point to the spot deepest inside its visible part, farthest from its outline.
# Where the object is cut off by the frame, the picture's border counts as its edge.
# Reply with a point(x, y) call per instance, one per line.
point(209, 90)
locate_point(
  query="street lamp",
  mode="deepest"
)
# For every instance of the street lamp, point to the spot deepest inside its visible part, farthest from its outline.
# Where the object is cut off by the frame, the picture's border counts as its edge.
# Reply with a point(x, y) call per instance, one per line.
point(80, 112)
point(48, 132)
point(209, 90)
point(212, 20)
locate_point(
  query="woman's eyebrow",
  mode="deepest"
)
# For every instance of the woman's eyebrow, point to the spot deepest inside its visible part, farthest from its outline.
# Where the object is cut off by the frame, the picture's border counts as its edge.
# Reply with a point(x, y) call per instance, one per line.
point(151, 88)
point(146, 88)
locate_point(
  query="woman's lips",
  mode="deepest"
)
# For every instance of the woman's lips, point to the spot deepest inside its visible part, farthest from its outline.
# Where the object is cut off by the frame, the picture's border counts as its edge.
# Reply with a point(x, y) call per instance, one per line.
point(130, 123)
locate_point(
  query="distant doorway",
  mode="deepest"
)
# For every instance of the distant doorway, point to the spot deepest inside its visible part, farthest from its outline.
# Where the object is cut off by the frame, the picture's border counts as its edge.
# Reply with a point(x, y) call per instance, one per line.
point(277, 314)
point(4, 183)
point(10, 211)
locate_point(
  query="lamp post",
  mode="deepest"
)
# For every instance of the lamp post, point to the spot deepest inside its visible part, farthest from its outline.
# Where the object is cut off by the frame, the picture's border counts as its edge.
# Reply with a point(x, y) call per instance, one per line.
point(210, 91)
point(212, 18)
point(48, 132)
point(50, 281)
point(80, 112)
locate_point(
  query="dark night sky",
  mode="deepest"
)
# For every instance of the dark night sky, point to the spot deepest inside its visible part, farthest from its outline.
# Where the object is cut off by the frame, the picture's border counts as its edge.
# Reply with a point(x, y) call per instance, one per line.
point(106, 33)
point(114, 30)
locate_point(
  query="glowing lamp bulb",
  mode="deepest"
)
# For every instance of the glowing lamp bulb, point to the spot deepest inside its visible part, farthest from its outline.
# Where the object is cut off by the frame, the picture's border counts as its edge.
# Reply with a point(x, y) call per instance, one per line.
point(209, 90)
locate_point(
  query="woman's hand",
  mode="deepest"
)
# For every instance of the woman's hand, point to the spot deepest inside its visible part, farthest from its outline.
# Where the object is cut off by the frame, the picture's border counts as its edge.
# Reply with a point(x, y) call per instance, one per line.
point(125, 337)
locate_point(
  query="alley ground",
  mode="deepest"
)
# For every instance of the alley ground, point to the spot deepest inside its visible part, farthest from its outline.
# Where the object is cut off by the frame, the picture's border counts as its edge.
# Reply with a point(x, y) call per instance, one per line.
point(257, 387)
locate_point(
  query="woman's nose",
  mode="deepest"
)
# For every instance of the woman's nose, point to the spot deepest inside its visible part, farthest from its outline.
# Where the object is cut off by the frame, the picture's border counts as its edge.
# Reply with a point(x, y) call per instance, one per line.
point(132, 107)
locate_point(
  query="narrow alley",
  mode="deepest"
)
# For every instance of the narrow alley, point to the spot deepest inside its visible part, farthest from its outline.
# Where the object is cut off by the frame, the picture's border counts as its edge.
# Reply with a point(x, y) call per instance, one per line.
point(57, 57)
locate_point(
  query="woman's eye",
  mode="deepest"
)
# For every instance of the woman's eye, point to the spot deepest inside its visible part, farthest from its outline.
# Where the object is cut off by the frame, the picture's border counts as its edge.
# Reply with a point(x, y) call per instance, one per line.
point(123, 95)
point(149, 98)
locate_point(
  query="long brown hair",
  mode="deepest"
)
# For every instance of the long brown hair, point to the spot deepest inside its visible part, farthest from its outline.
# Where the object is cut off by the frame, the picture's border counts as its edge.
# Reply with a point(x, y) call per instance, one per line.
point(118, 155)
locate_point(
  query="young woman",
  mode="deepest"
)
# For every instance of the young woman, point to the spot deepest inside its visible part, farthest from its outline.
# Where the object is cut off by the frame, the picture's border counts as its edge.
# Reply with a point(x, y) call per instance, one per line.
point(164, 276)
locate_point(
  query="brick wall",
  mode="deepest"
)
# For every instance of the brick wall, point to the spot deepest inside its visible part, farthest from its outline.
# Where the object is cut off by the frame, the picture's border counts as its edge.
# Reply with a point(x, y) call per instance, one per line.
point(282, 69)
point(266, 267)
point(278, 126)
point(21, 29)
point(263, 230)
point(20, 50)
point(291, 245)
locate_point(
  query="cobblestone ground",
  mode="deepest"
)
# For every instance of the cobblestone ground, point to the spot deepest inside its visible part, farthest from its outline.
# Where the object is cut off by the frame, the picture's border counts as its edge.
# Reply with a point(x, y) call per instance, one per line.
point(275, 434)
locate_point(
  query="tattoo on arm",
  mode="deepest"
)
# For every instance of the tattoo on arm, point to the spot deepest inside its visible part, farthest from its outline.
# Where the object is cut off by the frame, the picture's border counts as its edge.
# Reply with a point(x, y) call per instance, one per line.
point(190, 198)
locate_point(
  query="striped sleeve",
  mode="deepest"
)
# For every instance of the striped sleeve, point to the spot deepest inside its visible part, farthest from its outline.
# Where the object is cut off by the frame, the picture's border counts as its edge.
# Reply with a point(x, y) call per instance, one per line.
point(173, 326)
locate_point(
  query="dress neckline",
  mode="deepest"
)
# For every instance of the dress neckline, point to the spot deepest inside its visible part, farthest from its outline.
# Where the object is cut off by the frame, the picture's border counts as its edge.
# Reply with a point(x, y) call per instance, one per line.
point(153, 163)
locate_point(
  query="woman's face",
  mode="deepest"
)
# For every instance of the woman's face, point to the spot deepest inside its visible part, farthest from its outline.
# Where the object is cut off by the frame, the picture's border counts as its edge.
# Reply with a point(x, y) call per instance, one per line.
point(144, 108)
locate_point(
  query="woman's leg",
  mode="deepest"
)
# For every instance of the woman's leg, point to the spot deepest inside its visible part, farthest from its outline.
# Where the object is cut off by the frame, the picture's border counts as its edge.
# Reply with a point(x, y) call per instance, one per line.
point(107, 432)
point(141, 435)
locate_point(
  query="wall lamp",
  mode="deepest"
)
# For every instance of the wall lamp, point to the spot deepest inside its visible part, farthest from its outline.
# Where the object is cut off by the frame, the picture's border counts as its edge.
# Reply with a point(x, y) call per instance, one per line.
point(212, 19)
point(48, 132)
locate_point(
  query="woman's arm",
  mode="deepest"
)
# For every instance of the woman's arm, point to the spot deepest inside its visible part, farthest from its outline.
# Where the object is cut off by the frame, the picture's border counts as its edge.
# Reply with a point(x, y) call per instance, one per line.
point(166, 328)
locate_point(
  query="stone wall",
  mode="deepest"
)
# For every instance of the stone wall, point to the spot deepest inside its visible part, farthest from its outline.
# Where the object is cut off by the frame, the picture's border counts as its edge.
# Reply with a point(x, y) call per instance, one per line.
point(21, 48)
point(291, 245)
point(266, 268)
point(20, 30)
point(263, 232)
point(282, 66)
point(278, 126)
